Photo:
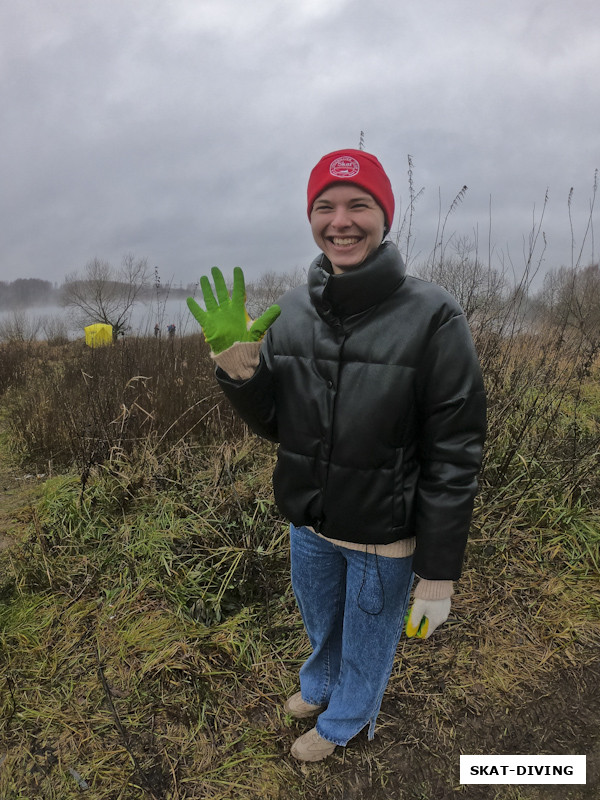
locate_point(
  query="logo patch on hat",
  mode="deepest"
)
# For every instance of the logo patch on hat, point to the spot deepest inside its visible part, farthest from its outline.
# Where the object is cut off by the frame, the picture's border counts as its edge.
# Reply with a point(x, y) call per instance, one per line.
point(344, 167)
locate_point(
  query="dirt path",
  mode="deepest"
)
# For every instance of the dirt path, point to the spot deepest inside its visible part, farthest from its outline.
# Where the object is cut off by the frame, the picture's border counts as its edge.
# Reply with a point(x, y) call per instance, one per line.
point(417, 757)
point(561, 720)
point(411, 760)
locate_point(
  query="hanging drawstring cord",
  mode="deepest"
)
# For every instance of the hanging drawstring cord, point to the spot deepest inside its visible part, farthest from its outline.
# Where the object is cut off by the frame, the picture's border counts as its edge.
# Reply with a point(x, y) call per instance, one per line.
point(364, 580)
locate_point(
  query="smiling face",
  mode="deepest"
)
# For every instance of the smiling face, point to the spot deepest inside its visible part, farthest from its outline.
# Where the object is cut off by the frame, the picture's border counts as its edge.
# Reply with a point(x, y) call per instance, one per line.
point(347, 224)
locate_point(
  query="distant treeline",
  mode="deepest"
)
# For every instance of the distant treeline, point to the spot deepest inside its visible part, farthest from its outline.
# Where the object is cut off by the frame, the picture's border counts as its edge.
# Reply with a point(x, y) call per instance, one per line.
point(25, 292)
point(29, 292)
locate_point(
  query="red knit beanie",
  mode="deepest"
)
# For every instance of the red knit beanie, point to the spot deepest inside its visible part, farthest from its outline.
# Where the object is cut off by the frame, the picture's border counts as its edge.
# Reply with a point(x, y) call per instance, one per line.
point(353, 166)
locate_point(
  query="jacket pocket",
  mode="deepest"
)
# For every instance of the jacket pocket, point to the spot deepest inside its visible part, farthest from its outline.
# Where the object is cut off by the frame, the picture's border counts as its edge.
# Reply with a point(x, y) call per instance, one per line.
point(399, 503)
point(296, 493)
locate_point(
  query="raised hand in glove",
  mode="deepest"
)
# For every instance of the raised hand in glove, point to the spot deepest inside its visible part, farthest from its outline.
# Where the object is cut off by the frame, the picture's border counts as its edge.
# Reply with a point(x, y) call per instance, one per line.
point(425, 616)
point(226, 320)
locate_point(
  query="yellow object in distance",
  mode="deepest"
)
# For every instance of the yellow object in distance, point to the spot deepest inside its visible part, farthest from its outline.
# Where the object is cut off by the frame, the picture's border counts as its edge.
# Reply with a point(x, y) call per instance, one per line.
point(98, 335)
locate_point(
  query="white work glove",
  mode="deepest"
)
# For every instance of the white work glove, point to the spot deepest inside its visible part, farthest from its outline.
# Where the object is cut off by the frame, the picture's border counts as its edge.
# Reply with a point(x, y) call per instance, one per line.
point(425, 616)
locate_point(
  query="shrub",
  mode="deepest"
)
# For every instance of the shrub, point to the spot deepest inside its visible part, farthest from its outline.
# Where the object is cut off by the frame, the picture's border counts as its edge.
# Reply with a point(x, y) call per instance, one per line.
point(92, 404)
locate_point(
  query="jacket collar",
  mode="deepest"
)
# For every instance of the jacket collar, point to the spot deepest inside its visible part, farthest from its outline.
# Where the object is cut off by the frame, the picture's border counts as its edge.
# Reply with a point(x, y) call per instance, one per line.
point(353, 292)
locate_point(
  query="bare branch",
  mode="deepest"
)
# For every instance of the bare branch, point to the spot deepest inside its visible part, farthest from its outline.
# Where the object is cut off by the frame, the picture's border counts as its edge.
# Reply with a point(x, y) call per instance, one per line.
point(105, 294)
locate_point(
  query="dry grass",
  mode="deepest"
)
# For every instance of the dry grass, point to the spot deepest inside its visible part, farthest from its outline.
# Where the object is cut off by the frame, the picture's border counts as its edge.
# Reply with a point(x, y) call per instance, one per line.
point(149, 637)
point(76, 407)
point(111, 668)
point(149, 632)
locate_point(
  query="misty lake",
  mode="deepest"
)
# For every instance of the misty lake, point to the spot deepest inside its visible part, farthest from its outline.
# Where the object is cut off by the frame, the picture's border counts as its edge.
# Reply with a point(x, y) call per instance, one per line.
point(143, 319)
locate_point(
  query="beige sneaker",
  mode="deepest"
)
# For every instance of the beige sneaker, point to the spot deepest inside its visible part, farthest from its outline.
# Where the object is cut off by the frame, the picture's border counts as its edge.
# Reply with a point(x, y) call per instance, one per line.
point(312, 747)
point(296, 707)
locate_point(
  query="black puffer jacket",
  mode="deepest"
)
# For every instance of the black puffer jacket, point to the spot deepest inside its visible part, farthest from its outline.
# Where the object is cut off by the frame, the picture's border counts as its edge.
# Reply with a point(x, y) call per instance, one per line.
point(371, 385)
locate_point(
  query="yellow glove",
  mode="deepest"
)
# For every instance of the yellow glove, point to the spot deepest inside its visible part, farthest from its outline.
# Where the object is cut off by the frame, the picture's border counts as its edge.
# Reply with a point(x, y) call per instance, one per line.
point(425, 616)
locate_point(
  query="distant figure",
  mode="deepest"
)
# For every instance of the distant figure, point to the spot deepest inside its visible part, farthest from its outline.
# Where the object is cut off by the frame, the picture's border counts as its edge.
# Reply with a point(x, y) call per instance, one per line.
point(171, 330)
point(156, 330)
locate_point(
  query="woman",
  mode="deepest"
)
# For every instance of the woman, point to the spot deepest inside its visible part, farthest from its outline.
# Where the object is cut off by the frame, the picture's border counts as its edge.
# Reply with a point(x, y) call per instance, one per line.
point(369, 381)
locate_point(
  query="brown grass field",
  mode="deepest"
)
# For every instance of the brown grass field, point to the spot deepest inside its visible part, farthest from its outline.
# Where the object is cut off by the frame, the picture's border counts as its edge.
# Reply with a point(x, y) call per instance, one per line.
point(148, 632)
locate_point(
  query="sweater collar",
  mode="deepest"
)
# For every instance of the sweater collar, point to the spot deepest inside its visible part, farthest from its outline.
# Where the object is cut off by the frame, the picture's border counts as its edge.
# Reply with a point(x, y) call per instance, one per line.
point(354, 292)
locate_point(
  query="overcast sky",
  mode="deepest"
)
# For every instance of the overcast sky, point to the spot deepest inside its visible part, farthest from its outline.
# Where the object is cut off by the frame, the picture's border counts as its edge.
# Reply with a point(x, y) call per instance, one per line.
point(184, 131)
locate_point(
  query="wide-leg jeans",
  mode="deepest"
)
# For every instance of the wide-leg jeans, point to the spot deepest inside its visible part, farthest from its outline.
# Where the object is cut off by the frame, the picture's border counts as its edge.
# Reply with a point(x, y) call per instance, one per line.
point(353, 604)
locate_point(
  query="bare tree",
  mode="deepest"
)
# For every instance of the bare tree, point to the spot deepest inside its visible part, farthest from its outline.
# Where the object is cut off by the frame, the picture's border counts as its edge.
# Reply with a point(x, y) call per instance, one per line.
point(479, 289)
point(18, 326)
point(269, 287)
point(55, 329)
point(105, 294)
point(570, 298)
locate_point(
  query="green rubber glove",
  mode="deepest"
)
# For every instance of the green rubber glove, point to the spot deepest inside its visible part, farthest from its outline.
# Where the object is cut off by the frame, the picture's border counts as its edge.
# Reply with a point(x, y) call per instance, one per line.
point(226, 320)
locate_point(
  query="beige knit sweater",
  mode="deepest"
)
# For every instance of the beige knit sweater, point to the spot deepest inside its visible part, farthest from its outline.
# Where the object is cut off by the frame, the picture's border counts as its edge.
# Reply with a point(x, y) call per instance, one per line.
point(240, 362)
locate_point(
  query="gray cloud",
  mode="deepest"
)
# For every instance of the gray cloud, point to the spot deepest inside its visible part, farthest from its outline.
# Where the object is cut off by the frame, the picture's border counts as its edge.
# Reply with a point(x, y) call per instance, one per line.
point(185, 131)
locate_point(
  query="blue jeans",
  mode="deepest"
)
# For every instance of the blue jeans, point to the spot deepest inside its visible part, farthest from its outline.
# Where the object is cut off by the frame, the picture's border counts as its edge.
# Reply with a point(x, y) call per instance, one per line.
point(353, 605)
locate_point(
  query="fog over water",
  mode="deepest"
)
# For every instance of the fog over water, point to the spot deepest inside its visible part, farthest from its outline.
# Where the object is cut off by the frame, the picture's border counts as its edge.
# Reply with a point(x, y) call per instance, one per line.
point(143, 319)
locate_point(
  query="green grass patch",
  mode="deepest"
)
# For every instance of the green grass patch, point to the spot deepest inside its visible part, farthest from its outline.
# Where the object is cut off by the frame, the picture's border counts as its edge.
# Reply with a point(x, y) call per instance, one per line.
point(137, 643)
point(149, 637)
